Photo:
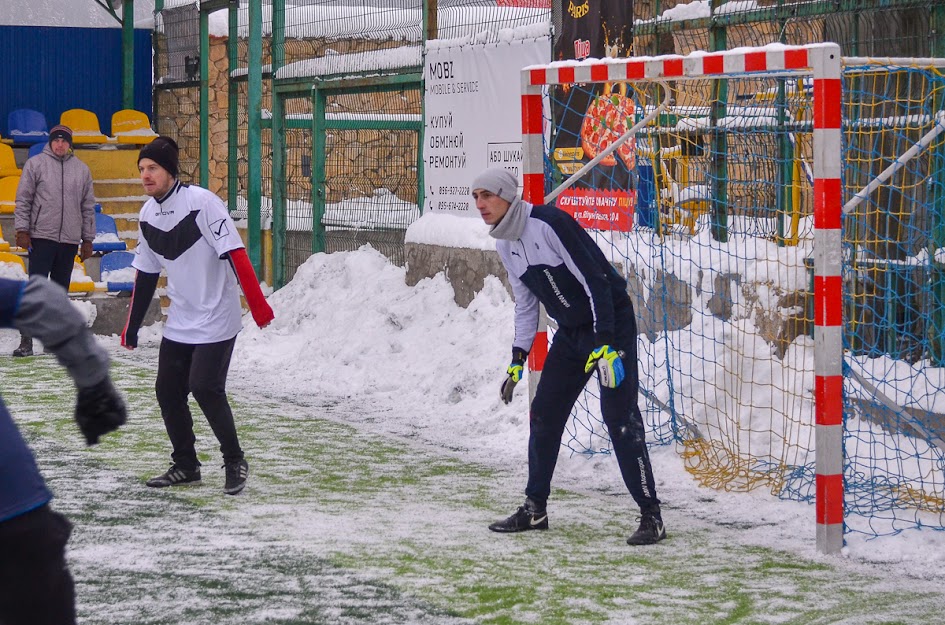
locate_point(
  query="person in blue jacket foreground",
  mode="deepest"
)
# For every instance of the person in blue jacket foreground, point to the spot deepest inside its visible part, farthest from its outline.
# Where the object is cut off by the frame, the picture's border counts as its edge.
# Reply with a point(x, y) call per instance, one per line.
point(36, 587)
point(552, 261)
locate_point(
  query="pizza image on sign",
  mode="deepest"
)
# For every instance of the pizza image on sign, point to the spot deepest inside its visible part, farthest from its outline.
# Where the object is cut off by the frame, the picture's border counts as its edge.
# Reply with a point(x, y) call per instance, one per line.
point(606, 120)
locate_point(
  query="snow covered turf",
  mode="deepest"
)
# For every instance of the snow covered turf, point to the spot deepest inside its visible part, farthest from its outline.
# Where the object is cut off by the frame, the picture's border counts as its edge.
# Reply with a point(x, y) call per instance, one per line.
point(379, 452)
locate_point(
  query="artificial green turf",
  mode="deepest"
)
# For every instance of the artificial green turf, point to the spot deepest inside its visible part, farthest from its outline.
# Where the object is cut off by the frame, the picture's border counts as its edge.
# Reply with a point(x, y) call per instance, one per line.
point(341, 525)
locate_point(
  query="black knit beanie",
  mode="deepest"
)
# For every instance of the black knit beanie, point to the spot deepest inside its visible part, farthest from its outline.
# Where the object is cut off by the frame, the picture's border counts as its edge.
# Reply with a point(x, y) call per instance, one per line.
point(164, 152)
point(61, 132)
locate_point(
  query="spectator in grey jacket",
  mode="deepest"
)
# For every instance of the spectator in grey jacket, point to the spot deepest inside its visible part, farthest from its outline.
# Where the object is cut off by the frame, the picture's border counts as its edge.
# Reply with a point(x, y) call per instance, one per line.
point(55, 212)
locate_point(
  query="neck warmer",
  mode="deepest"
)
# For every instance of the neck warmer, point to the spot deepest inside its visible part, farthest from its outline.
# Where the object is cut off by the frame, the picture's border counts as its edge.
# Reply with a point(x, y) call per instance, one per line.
point(513, 224)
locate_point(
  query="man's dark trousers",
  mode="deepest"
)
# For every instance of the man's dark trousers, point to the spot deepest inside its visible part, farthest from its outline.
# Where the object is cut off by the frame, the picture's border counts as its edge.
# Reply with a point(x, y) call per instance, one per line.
point(53, 260)
point(562, 380)
point(200, 370)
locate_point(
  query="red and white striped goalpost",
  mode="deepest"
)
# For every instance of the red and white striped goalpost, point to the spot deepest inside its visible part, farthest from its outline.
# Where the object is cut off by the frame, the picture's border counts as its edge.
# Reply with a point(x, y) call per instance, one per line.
point(823, 63)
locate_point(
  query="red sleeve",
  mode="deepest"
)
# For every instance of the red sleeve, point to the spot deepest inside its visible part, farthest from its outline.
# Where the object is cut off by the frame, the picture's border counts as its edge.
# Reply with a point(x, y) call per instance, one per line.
point(258, 306)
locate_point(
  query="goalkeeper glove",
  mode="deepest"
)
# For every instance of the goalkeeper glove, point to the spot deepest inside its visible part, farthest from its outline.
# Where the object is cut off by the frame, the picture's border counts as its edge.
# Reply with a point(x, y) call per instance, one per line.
point(609, 366)
point(99, 409)
point(514, 374)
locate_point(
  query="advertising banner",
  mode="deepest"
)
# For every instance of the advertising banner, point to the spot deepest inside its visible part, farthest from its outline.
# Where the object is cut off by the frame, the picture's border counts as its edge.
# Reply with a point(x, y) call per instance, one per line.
point(473, 116)
point(590, 118)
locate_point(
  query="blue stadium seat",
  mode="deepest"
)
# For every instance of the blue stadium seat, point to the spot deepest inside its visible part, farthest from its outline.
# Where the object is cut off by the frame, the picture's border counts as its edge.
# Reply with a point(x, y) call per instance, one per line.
point(26, 126)
point(35, 149)
point(114, 261)
point(105, 226)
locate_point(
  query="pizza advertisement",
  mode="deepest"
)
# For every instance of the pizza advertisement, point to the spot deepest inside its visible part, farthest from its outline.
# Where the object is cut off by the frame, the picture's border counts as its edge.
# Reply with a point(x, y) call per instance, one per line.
point(597, 209)
point(590, 118)
point(608, 117)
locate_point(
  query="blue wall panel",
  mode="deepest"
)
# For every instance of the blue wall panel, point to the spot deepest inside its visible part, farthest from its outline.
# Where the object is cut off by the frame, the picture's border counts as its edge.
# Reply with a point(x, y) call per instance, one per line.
point(51, 70)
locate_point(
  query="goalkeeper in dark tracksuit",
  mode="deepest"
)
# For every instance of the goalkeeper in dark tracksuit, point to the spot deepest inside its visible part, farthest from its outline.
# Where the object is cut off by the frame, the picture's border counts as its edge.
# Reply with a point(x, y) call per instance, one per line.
point(552, 261)
point(35, 585)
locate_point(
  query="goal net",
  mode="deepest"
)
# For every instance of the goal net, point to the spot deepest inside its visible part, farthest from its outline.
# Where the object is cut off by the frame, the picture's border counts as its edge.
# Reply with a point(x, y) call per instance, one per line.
point(778, 213)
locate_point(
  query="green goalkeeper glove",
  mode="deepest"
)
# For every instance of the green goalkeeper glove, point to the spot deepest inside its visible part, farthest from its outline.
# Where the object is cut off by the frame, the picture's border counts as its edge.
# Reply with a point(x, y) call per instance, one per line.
point(513, 374)
point(609, 366)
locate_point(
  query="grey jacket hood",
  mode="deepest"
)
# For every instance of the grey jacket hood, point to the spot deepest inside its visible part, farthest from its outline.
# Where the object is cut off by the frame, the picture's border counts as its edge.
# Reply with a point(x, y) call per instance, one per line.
point(55, 200)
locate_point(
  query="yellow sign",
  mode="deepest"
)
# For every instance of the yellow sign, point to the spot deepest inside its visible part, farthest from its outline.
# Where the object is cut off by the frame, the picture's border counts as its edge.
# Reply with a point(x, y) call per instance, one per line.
point(578, 11)
point(568, 154)
point(569, 168)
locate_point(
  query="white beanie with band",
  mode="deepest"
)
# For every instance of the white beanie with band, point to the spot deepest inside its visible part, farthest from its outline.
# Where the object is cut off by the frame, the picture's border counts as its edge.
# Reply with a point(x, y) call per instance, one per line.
point(499, 181)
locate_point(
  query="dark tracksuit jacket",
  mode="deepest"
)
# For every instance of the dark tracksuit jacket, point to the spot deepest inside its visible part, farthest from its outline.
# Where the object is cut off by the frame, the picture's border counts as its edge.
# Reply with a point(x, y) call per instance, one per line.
point(555, 263)
point(37, 585)
point(21, 486)
point(41, 308)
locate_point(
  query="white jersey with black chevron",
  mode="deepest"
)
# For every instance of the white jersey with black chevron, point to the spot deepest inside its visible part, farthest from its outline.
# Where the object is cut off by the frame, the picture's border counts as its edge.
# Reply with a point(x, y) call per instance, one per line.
point(187, 233)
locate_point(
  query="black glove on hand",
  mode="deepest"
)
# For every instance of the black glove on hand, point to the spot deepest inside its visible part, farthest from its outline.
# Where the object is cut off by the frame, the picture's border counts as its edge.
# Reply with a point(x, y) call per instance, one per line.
point(514, 375)
point(99, 409)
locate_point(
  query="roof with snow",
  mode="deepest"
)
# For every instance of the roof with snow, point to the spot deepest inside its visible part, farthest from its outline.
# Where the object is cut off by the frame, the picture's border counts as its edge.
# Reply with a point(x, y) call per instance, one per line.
point(70, 13)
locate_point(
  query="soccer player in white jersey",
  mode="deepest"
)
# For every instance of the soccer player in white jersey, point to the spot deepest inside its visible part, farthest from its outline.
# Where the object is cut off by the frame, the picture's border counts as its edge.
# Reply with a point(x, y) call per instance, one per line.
point(187, 231)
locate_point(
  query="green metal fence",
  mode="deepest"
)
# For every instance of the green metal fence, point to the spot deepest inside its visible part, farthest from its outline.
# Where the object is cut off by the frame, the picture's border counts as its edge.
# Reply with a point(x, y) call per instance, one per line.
point(860, 27)
point(176, 106)
point(333, 161)
point(350, 172)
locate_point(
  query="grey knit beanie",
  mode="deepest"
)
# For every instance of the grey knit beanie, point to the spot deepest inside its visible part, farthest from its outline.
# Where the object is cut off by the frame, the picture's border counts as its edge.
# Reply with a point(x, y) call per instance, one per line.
point(499, 181)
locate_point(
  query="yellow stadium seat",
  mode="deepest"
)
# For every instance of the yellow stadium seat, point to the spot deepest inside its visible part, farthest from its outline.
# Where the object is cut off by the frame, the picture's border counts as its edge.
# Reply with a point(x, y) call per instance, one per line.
point(8, 162)
point(9, 257)
point(8, 187)
point(81, 282)
point(130, 126)
point(4, 244)
point(84, 125)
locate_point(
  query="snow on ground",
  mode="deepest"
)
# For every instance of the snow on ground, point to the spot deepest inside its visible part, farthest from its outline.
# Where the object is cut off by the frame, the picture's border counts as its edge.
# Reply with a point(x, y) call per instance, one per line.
point(407, 362)
point(348, 325)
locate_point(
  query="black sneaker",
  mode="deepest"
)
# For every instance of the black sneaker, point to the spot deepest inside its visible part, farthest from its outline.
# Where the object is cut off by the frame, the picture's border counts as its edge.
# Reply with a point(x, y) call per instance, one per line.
point(175, 476)
point(651, 530)
point(530, 516)
point(236, 474)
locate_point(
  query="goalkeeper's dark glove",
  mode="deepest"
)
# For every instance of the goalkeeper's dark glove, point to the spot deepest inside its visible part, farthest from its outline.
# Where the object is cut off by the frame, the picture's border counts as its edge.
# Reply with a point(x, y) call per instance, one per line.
point(99, 409)
point(513, 374)
point(609, 366)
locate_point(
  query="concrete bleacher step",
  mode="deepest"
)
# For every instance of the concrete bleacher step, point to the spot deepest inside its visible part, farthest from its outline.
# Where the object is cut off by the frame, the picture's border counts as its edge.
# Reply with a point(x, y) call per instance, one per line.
point(118, 187)
point(109, 163)
point(122, 207)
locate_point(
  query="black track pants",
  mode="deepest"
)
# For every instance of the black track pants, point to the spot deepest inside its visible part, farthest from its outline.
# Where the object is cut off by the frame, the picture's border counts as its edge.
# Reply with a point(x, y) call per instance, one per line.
point(562, 381)
point(53, 260)
point(36, 587)
point(200, 370)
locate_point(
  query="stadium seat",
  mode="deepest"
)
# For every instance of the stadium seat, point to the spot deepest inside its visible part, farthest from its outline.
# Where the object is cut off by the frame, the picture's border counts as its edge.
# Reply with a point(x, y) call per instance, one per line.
point(35, 149)
point(27, 126)
point(112, 264)
point(8, 162)
point(8, 187)
point(9, 263)
point(4, 244)
point(84, 125)
point(81, 282)
point(130, 126)
point(106, 234)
